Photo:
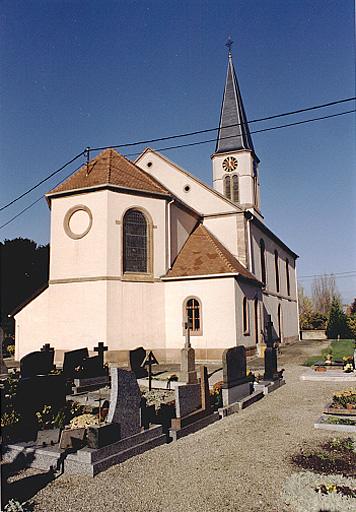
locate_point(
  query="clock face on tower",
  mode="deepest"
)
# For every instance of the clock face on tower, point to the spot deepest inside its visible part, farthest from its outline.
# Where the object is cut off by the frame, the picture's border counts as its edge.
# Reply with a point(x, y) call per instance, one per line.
point(229, 164)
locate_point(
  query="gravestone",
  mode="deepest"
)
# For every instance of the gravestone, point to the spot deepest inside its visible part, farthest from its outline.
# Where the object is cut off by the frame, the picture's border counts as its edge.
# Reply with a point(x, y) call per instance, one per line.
point(101, 349)
point(204, 389)
point(137, 358)
point(234, 366)
point(3, 367)
point(125, 401)
point(188, 399)
point(236, 385)
point(73, 360)
point(188, 373)
point(36, 363)
point(271, 369)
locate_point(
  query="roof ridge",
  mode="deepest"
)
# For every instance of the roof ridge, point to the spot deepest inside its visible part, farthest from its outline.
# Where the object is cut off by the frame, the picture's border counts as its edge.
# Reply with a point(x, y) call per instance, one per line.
point(110, 165)
point(222, 256)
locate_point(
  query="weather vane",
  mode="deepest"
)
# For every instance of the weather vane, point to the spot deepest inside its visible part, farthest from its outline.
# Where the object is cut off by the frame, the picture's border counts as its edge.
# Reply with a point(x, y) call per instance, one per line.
point(229, 44)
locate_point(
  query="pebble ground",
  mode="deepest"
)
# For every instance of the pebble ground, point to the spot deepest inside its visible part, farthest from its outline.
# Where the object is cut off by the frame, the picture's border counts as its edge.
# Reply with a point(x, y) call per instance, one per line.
point(237, 464)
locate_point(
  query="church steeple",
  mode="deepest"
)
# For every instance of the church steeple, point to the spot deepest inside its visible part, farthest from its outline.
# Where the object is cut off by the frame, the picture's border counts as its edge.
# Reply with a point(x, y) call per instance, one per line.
point(235, 163)
point(234, 133)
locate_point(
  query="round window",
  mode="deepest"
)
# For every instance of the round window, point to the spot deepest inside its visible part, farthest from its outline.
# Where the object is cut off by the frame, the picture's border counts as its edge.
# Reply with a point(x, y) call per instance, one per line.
point(78, 221)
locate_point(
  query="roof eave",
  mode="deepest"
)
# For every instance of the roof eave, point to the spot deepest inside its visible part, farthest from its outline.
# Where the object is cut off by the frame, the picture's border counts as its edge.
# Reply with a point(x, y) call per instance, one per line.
point(107, 186)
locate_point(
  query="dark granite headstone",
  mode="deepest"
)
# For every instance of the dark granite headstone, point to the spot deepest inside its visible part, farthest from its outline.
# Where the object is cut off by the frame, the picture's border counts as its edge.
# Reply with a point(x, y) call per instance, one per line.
point(92, 367)
point(271, 365)
point(74, 359)
point(36, 363)
point(137, 358)
point(234, 366)
point(34, 393)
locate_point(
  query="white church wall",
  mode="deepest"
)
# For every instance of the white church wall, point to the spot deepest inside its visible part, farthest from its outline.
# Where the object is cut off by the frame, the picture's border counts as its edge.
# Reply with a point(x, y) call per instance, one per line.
point(182, 224)
point(224, 228)
point(118, 204)
point(67, 315)
point(199, 197)
point(252, 292)
point(86, 256)
point(135, 315)
point(217, 297)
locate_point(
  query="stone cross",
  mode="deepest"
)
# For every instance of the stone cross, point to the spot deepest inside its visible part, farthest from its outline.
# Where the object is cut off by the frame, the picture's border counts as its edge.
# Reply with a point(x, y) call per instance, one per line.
point(187, 327)
point(47, 348)
point(100, 349)
point(149, 361)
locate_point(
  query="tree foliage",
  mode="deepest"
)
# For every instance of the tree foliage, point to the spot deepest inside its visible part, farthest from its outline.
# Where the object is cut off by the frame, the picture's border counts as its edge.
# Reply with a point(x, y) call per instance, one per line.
point(337, 323)
point(308, 317)
point(323, 291)
point(23, 270)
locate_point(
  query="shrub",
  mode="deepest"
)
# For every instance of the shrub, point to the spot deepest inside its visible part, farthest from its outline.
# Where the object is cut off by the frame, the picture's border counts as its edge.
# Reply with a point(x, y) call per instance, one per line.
point(348, 396)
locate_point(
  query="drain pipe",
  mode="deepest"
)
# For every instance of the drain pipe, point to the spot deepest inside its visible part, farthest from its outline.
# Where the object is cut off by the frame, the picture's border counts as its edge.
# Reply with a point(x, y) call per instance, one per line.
point(169, 263)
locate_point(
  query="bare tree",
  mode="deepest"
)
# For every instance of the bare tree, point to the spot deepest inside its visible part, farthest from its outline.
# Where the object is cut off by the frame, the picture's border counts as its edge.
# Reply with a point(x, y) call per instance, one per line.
point(324, 289)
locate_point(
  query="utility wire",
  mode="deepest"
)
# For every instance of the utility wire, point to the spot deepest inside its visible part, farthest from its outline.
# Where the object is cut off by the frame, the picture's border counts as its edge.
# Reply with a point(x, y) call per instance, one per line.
point(36, 201)
point(256, 131)
point(188, 134)
point(42, 181)
point(86, 151)
point(332, 274)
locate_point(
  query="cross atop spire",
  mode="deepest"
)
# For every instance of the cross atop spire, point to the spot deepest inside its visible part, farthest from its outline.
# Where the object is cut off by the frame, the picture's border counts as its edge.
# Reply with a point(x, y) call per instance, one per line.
point(229, 44)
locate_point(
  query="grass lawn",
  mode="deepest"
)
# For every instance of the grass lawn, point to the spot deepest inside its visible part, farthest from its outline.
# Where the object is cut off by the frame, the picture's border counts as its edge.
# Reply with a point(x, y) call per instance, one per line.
point(338, 348)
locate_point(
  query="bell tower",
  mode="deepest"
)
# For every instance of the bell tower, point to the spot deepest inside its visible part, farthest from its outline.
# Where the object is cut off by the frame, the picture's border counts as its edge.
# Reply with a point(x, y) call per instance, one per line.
point(235, 163)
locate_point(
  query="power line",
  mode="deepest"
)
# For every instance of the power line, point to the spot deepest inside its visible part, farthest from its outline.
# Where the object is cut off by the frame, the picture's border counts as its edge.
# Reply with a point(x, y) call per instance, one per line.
point(42, 181)
point(35, 202)
point(159, 149)
point(332, 274)
point(256, 131)
point(187, 134)
point(198, 132)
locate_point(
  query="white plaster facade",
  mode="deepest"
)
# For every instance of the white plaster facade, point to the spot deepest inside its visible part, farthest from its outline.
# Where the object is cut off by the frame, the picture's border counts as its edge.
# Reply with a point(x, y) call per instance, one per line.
point(90, 297)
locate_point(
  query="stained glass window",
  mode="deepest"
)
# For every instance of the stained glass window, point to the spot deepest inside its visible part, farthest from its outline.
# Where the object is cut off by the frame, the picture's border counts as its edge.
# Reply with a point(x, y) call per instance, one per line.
point(135, 242)
point(227, 187)
point(235, 188)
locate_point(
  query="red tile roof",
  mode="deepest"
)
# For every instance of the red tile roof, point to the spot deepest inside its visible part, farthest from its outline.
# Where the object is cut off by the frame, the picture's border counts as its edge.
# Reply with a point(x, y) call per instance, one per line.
point(110, 168)
point(203, 254)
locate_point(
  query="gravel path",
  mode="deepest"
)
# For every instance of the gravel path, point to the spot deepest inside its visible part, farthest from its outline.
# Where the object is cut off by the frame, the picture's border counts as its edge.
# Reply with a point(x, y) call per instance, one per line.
point(237, 464)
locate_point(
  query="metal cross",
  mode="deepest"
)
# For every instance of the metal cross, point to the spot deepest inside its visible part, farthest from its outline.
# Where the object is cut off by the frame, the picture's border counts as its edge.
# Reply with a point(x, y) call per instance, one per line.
point(229, 44)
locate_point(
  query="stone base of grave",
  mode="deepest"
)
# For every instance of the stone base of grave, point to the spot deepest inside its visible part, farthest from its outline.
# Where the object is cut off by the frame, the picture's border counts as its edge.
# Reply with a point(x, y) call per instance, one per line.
point(241, 404)
point(184, 426)
point(322, 425)
point(267, 386)
point(329, 376)
point(87, 461)
point(235, 393)
point(84, 385)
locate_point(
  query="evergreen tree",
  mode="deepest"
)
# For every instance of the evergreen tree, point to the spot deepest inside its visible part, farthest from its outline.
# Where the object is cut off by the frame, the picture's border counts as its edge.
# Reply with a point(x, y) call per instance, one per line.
point(337, 325)
point(353, 308)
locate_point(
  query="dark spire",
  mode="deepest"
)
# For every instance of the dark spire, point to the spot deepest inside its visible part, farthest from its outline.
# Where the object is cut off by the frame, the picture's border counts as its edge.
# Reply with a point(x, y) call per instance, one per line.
point(232, 113)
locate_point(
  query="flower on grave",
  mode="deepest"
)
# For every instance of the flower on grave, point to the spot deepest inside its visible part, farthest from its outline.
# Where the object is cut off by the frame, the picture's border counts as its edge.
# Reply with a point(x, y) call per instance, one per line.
point(84, 421)
point(348, 368)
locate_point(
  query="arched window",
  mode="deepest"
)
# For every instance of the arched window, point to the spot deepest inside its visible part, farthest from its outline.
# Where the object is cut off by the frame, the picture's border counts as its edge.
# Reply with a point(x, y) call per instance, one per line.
point(263, 261)
point(135, 242)
point(245, 317)
point(227, 187)
point(287, 276)
point(192, 315)
point(235, 188)
point(276, 269)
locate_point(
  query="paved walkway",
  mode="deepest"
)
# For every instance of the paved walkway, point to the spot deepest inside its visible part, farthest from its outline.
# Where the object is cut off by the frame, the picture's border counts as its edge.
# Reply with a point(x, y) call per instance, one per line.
point(237, 464)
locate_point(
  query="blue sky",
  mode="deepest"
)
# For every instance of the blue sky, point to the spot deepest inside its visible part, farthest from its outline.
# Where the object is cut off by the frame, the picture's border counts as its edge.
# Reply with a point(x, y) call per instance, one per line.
point(89, 73)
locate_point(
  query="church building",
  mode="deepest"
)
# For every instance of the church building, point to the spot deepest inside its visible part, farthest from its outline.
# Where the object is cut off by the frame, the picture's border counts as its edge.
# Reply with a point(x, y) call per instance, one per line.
point(140, 248)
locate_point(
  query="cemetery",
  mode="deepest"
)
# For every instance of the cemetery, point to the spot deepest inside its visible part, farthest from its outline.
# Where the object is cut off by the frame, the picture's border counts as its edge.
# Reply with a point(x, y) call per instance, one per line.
point(85, 417)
